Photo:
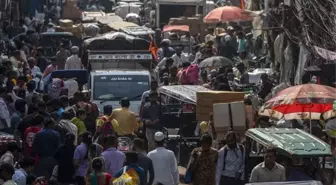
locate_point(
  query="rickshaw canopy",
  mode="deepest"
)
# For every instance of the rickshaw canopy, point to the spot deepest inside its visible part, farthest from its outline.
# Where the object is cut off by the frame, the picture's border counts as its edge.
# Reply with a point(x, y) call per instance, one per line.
point(290, 142)
point(184, 93)
point(172, 28)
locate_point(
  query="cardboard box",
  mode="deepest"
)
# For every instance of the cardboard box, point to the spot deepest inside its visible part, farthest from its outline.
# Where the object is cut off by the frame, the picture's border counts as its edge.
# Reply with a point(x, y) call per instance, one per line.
point(65, 23)
point(221, 115)
point(206, 99)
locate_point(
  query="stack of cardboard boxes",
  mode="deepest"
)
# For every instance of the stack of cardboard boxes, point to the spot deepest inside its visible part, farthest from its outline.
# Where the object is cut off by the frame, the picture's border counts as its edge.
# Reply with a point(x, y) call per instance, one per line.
point(206, 99)
point(216, 102)
point(66, 25)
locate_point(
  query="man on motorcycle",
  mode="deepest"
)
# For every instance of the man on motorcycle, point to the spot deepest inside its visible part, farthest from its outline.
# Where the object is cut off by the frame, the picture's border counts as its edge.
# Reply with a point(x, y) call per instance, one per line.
point(266, 86)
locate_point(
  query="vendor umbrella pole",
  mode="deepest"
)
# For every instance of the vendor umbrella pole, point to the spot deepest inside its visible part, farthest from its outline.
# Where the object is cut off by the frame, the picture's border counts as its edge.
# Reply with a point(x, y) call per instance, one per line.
point(310, 122)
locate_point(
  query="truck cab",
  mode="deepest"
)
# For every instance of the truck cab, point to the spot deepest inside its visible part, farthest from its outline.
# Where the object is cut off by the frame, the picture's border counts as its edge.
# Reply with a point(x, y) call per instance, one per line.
point(108, 87)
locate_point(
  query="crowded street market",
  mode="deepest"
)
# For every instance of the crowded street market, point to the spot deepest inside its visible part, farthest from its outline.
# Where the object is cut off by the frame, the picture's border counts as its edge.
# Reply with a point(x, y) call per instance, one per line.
point(167, 92)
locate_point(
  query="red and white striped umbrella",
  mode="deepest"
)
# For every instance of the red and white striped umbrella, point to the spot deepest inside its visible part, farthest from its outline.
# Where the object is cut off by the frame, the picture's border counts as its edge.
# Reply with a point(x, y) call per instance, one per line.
point(308, 101)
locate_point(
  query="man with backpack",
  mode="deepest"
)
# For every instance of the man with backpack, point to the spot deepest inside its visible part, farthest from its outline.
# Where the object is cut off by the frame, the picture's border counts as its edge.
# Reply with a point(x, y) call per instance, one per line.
point(231, 162)
point(105, 125)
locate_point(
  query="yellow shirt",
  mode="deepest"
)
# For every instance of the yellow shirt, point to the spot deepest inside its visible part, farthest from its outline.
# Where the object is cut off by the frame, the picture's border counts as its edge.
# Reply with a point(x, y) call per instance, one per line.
point(127, 121)
point(114, 123)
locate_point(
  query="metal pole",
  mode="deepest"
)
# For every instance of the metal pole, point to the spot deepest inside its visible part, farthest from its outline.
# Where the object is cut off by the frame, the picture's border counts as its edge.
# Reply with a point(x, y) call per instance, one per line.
point(310, 122)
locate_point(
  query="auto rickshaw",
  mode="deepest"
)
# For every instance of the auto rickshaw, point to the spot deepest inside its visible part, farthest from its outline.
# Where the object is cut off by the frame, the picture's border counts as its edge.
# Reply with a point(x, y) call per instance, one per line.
point(295, 144)
point(50, 42)
point(178, 115)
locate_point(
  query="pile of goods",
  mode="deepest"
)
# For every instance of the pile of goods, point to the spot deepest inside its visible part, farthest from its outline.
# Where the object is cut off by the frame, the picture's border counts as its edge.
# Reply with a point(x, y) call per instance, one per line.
point(66, 25)
point(195, 24)
point(71, 11)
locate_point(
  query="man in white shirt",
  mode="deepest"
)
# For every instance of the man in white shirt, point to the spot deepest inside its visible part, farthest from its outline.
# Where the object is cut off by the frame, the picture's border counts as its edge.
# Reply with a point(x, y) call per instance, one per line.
point(38, 82)
point(164, 162)
point(231, 162)
point(33, 68)
point(73, 62)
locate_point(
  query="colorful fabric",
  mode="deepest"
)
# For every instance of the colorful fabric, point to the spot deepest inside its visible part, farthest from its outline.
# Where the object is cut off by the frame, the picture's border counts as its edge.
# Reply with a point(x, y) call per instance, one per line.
point(129, 177)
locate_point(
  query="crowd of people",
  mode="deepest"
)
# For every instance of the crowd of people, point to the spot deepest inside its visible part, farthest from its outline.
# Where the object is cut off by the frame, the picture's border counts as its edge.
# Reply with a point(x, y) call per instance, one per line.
point(62, 139)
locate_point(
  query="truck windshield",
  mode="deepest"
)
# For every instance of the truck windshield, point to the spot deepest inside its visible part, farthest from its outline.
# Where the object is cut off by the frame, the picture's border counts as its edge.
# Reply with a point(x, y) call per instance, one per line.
point(116, 87)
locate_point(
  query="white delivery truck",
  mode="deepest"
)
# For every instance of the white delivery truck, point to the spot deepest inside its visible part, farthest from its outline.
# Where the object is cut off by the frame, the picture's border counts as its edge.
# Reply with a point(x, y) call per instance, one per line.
point(120, 66)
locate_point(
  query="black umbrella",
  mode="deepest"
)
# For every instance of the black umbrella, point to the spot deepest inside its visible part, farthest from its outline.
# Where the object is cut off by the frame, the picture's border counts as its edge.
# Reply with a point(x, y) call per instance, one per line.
point(216, 61)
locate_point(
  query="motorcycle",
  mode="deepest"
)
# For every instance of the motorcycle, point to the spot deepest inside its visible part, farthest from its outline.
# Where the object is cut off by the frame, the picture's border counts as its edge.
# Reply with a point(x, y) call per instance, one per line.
point(125, 144)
